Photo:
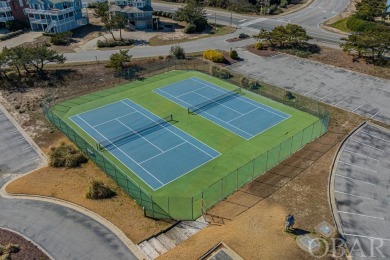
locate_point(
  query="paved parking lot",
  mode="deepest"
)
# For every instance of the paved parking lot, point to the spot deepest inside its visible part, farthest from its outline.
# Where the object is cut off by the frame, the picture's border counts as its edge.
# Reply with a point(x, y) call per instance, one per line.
point(17, 154)
point(352, 91)
point(361, 192)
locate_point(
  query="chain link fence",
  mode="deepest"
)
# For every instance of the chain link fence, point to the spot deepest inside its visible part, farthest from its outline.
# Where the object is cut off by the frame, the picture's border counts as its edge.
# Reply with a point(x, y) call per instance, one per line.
point(191, 207)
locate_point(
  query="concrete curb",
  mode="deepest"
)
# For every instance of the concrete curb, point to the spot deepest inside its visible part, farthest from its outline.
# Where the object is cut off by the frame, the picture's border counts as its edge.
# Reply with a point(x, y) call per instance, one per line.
point(29, 240)
point(332, 201)
point(119, 233)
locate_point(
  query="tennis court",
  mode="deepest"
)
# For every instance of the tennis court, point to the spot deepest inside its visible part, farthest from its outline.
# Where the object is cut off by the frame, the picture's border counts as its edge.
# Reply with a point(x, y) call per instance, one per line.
point(150, 146)
point(229, 109)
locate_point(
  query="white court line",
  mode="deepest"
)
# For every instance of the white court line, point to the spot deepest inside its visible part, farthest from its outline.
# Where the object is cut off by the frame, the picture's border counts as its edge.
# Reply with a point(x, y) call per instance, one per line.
point(114, 119)
point(376, 113)
point(218, 119)
point(355, 235)
point(168, 130)
point(357, 166)
point(97, 108)
point(122, 152)
point(140, 135)
point(250, 111)
point(242, 99)
point(372, 147)
point(163, 152)
point(369, 183)
point(360, 154)
point(358, 107)
point(352, 195)
point(374, 136)
point(192, 91)
point(220, 104)
point(357, 214)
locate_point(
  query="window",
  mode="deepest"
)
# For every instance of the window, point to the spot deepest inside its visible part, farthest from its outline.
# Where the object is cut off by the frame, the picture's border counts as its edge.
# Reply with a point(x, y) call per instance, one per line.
point(77, 3)
point(21, 4)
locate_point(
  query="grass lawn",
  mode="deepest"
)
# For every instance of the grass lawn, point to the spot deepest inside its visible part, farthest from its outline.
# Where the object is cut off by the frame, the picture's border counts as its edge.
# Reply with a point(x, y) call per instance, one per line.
point(217, 30)
point(235, 150)
point(341, 25)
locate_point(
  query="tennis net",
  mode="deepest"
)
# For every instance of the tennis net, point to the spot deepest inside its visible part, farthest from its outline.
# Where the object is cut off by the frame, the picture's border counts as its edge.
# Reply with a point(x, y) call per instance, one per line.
point(214, 101)
point(134, 134)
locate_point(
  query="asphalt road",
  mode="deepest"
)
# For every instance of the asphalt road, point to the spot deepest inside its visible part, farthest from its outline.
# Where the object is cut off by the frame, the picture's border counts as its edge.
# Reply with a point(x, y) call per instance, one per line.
point(310, 18)
point(64, 233)
point(361, 192)
point(352, 91)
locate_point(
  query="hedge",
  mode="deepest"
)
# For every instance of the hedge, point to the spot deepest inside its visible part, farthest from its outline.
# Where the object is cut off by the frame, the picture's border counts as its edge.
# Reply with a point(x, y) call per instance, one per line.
point(214, 56)
point(112, 43)
point(359, 25)
point(10, 35)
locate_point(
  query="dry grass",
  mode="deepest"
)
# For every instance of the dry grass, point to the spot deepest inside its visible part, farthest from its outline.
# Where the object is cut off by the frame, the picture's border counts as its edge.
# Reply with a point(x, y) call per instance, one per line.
point(298, 186)
point(71, 185)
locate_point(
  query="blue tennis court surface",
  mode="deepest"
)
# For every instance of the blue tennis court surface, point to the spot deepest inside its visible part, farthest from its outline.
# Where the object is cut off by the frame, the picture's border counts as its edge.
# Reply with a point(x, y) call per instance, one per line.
point(158, 156)
point(236, 113)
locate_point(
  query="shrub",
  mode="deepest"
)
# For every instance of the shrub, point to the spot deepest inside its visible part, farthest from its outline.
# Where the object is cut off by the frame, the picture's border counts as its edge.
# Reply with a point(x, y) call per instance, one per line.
point(219, 72)
point(259, 46)
point(66, 155)
point(10, 35)
point(98, 190)
point(249, 83)
point(289, 95)
point(177, 52)
point(63, 38)
point(200, 24)
point(233, 55)
point(214, 56)
point(12, 248)
point(112, 43)
point(16, 25)
point(190, 28)
point(358, 25)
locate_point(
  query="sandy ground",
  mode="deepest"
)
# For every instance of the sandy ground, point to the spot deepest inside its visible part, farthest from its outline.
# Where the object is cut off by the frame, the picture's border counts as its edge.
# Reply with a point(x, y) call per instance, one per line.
point(72, 184)
point(257, 232)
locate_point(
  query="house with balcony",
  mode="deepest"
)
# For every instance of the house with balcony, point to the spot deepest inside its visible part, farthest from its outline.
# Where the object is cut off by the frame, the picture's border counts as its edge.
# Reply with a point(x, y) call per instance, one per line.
point(139, 13)
point(56, 15)
point(12, 10)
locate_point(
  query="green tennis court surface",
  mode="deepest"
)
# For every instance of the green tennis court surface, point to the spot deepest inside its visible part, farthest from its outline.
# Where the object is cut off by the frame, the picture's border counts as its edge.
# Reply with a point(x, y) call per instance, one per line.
point(206, 182)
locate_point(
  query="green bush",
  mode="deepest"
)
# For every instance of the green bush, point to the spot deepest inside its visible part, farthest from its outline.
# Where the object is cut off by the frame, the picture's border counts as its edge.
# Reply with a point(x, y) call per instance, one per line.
point(214, 56)
point(358, 25)
point(249, 83)
point(112, 43)
point(190, 28)
point(219, 72)
point(259, 46)
point(66, 155)
point(177, 52)
point(200, 24)
point(16, 25)
point(233, 55)
point(63, 38)
point(98, 190)
point(10, 35)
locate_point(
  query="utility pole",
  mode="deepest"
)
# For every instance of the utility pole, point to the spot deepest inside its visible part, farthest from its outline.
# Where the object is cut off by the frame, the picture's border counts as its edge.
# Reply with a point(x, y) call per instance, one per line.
point(231, 19)
point(215, 19)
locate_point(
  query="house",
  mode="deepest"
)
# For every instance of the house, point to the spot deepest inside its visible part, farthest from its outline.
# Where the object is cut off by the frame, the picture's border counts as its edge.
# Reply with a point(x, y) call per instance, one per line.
point(12, 10)
point(139, 13)
point(56, 15)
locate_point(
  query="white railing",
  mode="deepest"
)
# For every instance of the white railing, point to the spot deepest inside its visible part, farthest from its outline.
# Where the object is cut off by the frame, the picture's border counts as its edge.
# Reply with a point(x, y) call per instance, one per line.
point(4, 9)
point(39, 21)
point(49, 12)
point(5, 19)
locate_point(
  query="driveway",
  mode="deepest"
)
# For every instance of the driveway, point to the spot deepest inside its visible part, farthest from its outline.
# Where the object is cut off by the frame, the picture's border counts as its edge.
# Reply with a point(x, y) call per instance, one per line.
point(361, 190)
point(359, 93)
point(63, 232)
point(25, 37)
